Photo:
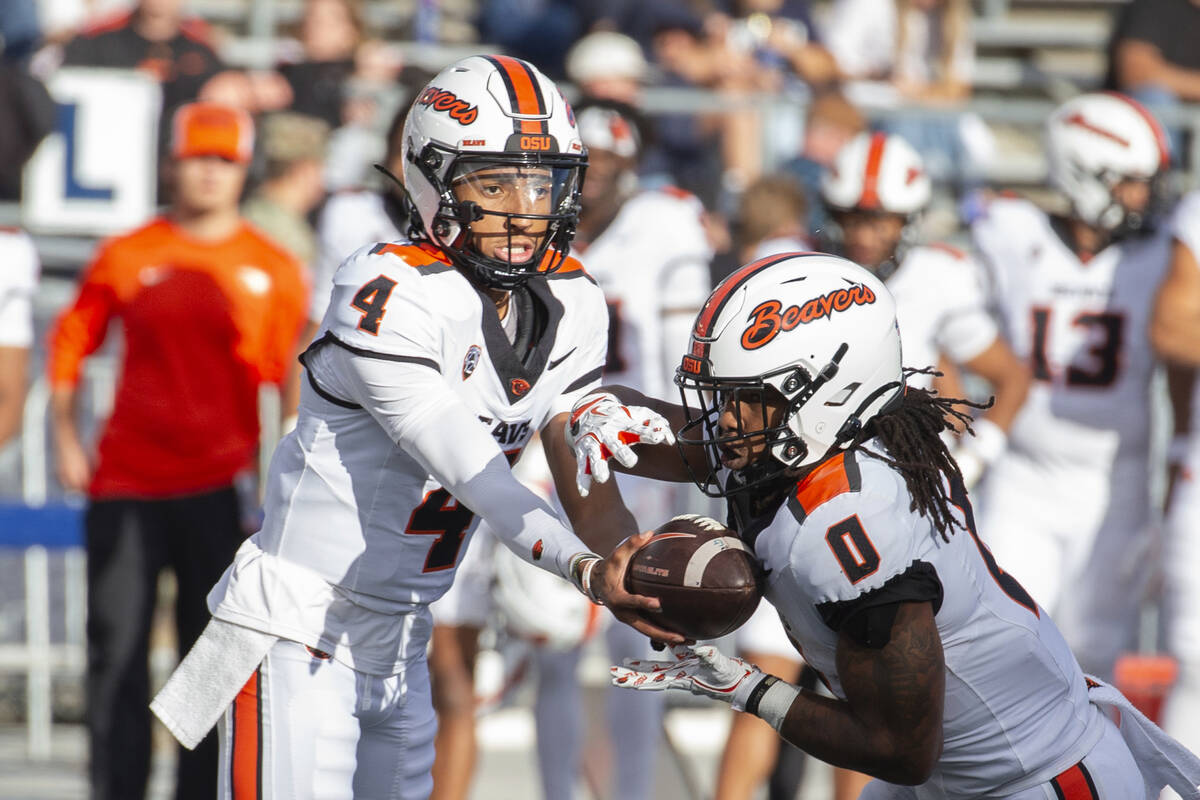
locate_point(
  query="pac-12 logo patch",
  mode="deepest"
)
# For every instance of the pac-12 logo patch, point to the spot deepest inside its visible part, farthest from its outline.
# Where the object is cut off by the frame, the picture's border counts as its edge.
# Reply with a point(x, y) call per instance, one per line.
point(470, 360)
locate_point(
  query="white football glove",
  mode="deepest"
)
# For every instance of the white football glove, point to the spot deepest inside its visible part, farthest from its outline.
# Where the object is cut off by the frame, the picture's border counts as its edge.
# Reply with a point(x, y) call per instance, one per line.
point(600, 428)
point(702, 670)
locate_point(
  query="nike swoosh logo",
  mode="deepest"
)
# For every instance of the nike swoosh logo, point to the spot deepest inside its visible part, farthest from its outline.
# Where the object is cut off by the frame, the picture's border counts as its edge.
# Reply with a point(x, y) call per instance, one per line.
point(558, 361)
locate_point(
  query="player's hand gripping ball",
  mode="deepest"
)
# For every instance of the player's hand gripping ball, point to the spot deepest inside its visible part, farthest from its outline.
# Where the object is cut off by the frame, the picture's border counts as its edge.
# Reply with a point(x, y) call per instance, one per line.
point(705, 577)
point(600, 428)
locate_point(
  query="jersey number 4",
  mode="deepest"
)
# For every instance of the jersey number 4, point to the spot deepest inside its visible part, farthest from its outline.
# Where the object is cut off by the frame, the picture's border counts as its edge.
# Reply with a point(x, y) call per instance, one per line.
point(371, 300)
point(442, 516)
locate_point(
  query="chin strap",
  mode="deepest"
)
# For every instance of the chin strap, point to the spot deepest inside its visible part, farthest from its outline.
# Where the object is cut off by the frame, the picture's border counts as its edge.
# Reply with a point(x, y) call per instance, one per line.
point(853, 425)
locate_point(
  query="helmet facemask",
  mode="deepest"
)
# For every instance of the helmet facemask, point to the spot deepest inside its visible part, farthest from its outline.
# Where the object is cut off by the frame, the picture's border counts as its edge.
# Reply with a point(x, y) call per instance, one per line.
point(835, 237)
point(765, 442)
point(499, 213)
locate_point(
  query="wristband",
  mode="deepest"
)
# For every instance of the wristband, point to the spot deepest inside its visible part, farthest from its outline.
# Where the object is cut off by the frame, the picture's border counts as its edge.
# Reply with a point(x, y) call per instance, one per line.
point(771, 700)
point(580, 573)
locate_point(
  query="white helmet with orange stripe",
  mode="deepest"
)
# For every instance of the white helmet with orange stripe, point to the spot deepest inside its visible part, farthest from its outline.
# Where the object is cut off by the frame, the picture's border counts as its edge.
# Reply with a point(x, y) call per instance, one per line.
point(492, 137)
point(1095, 142)
point(877, 179)
point(812, 333)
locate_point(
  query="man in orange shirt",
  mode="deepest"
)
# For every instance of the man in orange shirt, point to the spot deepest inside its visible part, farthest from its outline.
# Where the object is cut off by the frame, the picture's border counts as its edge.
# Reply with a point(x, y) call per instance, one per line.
point(210, 309)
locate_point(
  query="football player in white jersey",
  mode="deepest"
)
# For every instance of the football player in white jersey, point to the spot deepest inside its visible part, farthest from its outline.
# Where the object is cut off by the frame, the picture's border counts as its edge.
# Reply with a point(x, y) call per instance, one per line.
point(874, 194)
point(1175, 333)
point(1075, 294)
point(437, 359)
point(948, 680)
point(19, 268)
point(348, 221)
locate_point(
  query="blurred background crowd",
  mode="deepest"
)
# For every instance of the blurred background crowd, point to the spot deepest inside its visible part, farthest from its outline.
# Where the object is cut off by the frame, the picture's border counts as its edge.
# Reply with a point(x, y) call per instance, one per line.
point(741, 106)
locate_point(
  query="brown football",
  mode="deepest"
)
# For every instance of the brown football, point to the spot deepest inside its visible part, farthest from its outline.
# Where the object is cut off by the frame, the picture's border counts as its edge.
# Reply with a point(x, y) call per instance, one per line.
point(707, 580)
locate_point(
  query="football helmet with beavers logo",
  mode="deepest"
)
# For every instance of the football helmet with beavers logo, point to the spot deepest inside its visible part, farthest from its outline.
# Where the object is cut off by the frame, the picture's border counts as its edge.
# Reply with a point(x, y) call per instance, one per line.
point(493, 164)
point(812, 333)
point(1096, 141)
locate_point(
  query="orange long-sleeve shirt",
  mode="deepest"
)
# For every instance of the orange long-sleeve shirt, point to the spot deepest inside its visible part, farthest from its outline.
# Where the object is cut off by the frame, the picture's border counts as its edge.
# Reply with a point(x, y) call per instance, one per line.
point(204, 323)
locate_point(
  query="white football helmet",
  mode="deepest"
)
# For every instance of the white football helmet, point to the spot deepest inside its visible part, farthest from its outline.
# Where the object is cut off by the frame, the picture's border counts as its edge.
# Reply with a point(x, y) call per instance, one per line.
point(882, 174)
point(486, 111)
point(1093, 142)
point(877, 172)
point(818, 329)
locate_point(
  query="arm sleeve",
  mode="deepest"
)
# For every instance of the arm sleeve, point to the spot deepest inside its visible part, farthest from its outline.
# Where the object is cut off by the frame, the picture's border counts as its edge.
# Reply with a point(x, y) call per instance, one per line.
point(417, 410)
point(82, 327)
point(1143, 21)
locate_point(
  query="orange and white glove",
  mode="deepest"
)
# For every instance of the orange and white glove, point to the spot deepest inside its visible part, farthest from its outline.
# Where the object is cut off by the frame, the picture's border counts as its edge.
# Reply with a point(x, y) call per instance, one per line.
point(600, 428)
point(705, 670)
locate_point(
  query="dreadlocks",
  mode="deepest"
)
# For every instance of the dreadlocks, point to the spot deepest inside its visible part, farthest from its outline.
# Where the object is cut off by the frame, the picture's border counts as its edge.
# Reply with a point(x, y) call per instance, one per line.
point(911, 433)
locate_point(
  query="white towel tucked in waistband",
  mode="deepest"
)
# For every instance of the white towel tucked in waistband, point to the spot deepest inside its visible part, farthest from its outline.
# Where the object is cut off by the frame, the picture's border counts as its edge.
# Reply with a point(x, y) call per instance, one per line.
point(209, 678)
point(1162, 760)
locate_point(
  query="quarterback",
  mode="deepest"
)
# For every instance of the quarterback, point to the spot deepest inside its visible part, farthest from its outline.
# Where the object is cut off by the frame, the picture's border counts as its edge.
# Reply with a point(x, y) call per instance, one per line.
point(948, 680)
point(437, 359)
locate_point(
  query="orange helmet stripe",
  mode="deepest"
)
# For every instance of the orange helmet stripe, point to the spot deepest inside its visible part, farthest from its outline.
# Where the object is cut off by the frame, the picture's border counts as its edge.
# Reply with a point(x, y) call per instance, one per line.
point(870, 190)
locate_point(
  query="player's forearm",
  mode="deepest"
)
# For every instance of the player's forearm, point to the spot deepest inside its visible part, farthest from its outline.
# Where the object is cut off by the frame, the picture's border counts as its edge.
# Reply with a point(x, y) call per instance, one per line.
point(828, 729)
point(601, 519)
point(1010, 379)
point(63, 401)
point(1176, 337)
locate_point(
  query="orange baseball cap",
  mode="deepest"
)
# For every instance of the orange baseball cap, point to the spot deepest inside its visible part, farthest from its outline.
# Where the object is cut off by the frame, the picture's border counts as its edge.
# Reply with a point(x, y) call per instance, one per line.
point(212, 129)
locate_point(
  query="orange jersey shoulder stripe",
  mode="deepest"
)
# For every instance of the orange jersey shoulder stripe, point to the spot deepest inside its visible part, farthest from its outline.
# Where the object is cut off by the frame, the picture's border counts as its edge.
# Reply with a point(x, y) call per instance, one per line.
point(824, 483)
point(415, 255)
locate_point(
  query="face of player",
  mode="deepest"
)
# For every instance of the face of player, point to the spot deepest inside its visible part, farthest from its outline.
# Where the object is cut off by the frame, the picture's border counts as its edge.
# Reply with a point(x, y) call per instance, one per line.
point(745, 415)
point(602, 184)
point(504, 193)
point(1133, 194)
point(869, 237)
point(207, 184)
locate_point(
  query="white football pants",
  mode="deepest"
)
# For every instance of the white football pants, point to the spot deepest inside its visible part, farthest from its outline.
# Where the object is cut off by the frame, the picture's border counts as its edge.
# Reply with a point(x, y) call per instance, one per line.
point(307, 727)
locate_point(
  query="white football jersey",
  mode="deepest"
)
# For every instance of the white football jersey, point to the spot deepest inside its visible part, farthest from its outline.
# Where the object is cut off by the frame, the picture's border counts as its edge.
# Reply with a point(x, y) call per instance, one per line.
point(1185, 226)
point(1016, 705)
point(360, 532)
point(349, 221)
point(652, 263)
point(941, 309)
point(1082, 327)
point(19, 268)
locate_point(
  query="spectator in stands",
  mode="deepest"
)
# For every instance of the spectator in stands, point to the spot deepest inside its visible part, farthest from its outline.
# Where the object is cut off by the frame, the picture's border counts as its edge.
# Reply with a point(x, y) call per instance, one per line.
point(540, 31)
point(18, 282)
point(899, 52)
point(772, 218)
point(1154, 55)
point(779, 35)
point(210, 309)
point(830, 122)
point(329, 35)
point(26, 116)
point(293, 148)
point(156, 38)
point(607, 65)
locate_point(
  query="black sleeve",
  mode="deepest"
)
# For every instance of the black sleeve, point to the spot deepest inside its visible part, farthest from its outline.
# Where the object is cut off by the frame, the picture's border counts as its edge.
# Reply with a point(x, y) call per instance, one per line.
point(868, 618)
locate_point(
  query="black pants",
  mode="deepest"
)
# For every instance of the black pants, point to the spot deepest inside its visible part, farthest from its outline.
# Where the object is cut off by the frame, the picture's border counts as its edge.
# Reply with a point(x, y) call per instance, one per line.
point(128, 544)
